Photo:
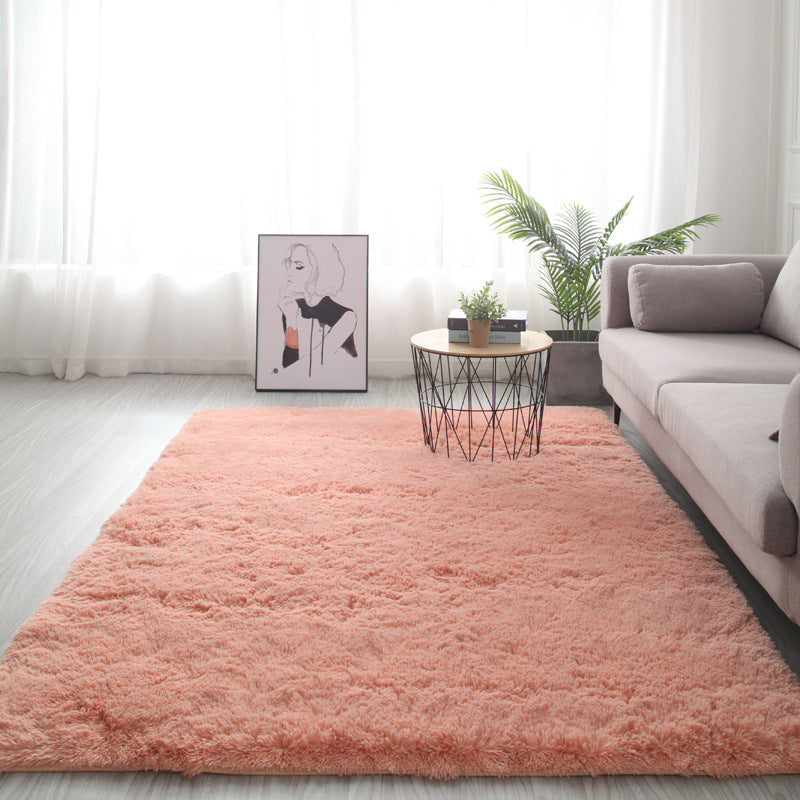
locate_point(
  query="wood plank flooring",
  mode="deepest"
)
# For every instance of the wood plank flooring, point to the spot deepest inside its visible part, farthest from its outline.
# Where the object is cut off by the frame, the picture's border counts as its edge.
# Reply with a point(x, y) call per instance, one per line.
point(71, 453)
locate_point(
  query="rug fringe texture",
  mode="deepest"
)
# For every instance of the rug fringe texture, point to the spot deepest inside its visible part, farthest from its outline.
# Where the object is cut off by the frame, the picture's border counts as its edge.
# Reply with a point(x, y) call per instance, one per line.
point(314, 591)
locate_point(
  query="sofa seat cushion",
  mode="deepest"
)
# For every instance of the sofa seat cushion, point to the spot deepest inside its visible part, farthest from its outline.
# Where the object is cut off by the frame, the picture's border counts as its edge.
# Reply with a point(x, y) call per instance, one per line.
point(724, 429)
point(647, 360)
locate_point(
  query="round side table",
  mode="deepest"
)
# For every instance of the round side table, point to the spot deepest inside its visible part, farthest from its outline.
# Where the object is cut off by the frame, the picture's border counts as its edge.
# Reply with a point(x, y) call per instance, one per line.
point(481, 397)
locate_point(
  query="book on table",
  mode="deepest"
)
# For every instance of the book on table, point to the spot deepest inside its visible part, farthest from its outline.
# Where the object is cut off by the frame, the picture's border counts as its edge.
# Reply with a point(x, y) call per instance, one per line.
point(495, 337)
point(512, 322)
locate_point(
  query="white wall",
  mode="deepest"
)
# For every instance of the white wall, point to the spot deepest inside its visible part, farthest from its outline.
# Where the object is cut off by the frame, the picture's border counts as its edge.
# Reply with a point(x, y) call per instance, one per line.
point(732, 68)
point(788, 212)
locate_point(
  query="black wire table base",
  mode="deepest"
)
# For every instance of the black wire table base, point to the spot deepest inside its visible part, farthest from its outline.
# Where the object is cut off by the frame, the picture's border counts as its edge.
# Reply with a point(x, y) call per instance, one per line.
point(467, 405)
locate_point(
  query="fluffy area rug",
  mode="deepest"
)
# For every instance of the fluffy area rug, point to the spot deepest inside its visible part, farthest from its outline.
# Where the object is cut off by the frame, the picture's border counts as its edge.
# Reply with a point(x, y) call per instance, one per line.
point(314, 591)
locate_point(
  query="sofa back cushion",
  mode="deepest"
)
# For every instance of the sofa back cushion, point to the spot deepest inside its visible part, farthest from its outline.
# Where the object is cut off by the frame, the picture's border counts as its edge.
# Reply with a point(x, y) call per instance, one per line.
point(782, 313)
point(722, 298)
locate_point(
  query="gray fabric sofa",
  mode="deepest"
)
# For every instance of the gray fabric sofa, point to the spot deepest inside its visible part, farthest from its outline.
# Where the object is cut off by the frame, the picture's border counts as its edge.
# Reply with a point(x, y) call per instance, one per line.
point(706, 365)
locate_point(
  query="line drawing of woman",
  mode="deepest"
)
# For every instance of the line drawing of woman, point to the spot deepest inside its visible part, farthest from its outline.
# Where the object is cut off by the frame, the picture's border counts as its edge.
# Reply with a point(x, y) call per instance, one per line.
point(307, 292)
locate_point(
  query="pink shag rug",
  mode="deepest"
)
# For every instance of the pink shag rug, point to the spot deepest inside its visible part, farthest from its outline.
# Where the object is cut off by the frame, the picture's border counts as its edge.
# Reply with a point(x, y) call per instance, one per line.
point(313, 591)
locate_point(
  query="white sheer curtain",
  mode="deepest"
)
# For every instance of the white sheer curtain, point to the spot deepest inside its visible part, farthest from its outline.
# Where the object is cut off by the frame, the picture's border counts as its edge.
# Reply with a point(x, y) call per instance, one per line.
point(146, 145)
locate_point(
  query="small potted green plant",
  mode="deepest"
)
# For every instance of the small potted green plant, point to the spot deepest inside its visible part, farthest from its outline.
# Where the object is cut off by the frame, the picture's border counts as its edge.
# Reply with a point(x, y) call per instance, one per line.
point(481, 308)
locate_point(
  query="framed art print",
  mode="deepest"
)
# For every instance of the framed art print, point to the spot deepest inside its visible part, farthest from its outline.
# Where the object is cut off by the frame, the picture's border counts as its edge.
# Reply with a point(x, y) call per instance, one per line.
point(311, 324)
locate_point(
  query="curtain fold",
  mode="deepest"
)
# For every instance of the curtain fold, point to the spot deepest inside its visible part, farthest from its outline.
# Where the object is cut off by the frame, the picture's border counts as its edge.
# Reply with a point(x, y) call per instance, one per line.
point(81, 70)
point(145, 146)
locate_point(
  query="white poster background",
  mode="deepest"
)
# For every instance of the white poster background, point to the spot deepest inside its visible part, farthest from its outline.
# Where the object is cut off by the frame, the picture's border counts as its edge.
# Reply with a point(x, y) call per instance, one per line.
point(341, 274)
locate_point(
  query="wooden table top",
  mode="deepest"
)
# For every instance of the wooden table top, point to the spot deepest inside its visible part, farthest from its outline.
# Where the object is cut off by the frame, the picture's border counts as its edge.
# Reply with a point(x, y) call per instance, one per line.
point(436, 341)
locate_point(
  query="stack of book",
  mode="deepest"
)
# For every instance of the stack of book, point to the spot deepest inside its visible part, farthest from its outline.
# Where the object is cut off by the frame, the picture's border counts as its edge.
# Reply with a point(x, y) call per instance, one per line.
point(505, 331)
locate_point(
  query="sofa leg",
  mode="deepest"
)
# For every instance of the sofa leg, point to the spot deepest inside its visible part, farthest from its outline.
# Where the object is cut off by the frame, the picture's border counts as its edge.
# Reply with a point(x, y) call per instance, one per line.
point(617, 412)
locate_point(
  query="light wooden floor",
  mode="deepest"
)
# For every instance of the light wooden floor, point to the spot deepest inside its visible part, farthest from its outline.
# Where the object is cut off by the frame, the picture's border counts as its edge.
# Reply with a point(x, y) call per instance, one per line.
point(70, 453)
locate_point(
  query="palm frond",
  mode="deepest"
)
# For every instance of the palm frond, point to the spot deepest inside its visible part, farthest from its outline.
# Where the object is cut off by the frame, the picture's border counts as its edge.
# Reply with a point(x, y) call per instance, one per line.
point(671, 240)
point(517, 215)
point(578, 231)
point(573, 295)
point(591, 301)
point(559, 290)
point(603, 250)
point(612, 225)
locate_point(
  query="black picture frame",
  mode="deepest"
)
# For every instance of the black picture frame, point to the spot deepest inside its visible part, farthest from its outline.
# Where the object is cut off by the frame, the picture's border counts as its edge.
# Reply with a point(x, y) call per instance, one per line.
point(312, 313)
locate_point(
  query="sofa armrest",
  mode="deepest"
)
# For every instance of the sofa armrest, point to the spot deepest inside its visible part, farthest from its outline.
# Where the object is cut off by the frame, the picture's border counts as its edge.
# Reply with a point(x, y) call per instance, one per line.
point(615, 304)
point(789, 444)
point(615, 309)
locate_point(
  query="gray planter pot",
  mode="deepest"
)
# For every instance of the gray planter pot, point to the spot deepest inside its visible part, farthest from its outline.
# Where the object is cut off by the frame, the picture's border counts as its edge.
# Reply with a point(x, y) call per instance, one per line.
point(575, 376)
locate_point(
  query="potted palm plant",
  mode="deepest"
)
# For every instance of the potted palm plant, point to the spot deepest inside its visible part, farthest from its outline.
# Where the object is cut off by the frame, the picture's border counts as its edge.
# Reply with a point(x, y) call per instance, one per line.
point(573, 248)
point(481, 308)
